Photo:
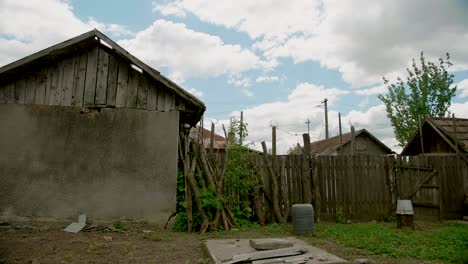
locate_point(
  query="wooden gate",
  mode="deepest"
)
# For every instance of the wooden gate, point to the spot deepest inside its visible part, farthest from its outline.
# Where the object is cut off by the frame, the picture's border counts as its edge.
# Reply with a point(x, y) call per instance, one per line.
point(419, 182)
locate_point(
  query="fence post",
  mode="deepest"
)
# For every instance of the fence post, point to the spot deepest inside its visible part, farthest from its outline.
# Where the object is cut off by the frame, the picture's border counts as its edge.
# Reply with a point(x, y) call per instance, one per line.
point(306, 184)
point(317, 197)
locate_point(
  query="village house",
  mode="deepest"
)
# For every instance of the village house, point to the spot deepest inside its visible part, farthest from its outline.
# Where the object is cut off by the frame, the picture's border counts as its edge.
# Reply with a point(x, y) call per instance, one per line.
point(363, 142)
point(87, 128)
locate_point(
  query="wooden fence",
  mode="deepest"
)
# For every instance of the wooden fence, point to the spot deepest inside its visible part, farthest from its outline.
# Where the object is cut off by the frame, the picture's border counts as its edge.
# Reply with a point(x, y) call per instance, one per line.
point(366, 187)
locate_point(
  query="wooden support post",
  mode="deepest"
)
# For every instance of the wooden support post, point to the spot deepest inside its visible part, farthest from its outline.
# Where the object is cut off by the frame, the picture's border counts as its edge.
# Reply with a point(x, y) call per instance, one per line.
point(317, 197)
point(212, 139)
point(341, 133)
point(353, 141)
point(273, 147)
point(306, 182)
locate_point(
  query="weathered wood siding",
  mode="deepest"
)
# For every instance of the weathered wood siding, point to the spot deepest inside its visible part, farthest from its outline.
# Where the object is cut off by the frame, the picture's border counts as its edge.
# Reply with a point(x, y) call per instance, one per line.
point(89, 78)
point(359, 186)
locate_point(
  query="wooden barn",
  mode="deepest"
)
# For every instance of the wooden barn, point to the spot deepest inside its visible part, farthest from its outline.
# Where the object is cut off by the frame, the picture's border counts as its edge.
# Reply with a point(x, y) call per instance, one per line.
point(88, 128)
point(439, 135)
point(363, 142)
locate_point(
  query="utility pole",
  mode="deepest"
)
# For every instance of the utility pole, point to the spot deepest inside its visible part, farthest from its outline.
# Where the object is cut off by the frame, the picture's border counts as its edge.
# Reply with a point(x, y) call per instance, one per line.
point(341, 134)
point(273, 140)
point(326, 117)
point(308, 126)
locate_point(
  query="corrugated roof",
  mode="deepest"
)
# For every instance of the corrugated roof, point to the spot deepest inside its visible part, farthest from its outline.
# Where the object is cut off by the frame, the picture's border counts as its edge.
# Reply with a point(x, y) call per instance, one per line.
point(331, 145)
point(454, 128)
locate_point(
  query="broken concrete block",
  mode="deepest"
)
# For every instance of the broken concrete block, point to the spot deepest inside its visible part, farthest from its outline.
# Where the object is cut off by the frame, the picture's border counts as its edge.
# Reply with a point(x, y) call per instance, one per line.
point(269, 244)
point(107, 238)
point(361, 261)
point(76, 227)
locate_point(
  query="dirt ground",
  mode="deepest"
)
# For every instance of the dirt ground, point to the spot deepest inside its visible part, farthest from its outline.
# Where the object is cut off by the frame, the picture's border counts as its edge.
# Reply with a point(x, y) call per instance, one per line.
point(132, 243)
point(139, 243)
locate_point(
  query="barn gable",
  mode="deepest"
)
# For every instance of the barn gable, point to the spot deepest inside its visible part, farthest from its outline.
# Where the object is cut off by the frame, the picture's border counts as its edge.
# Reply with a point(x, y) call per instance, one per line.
point(93, 71)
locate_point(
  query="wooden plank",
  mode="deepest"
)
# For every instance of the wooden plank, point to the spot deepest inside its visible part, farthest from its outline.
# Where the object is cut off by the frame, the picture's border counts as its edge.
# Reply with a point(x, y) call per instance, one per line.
point(41, 84)
point(152, 103)
point(142, 97)
point(168, 101)
point(161, 98)
point(122, 84)
point(102, 75)
point(79, 83)
point(265, 254)
point(131, 100)
point(2, 91)
point(30, 89)
point(20, 86)
point(68, 81)
point(91, 77)
point(9, 93)
point(355, 187)
point(112, 81)
point(51, 86)
point(333, 202)
point(47, 51)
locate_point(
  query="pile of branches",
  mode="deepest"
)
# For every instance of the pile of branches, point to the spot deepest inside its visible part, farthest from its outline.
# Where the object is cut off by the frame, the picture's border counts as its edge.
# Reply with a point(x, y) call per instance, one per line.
point(213, 168)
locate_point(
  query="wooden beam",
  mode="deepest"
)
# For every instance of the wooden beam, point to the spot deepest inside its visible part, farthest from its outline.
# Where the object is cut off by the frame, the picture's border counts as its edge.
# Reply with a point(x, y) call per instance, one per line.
point(428, 177)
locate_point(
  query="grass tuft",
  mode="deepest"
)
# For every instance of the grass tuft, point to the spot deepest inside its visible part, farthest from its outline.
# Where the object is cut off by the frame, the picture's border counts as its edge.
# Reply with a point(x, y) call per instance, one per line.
point(448, 242)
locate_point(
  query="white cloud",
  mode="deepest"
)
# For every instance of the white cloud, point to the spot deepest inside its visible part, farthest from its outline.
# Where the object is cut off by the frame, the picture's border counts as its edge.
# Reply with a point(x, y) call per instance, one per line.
point(379, 89)
point(376, 122)
point(266, 78)
point(29, 26)
point(114, 29)
point(362, 39)
point(460, 109)
point(290, 116)
point(275, 19)
point(195, 92)
point(463, 88)
point(238, 81)
point(188, 53)
point(247, 92)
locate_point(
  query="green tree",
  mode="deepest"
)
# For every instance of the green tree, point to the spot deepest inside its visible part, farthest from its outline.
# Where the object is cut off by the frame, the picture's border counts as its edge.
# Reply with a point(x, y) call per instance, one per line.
point(426, 92)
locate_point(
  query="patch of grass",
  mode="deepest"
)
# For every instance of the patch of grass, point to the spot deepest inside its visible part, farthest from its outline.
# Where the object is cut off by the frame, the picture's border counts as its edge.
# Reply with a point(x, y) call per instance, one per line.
point(447, 242)
point(68, 257)
point(157, 236)
point(119, 226)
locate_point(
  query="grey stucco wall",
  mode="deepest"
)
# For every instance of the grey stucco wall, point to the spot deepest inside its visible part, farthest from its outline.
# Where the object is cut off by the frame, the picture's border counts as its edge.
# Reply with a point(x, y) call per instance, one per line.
point(113, 164)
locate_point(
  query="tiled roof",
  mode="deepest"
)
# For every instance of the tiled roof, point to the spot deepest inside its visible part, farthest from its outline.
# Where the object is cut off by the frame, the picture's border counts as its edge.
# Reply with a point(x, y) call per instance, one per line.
point(219, 141)
point(331, 145)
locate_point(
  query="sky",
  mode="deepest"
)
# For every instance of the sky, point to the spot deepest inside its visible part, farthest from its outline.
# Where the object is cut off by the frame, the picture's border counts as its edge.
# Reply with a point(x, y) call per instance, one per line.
point(274, 60)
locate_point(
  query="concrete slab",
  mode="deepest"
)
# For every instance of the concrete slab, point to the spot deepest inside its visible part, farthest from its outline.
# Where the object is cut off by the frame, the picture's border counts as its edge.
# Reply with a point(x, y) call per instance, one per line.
point(228, 250)
point(76, 227)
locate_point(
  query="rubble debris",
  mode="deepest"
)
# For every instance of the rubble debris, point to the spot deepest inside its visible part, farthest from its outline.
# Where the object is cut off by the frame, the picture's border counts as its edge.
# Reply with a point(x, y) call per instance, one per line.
point(76, 227)
point(233, 251)
point(269, 244)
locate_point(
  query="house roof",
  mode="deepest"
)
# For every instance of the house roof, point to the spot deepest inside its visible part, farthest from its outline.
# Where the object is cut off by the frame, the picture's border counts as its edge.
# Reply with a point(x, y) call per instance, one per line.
point(90, 38)
point(219, 141)
point(453, 130)
point(331, 145)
